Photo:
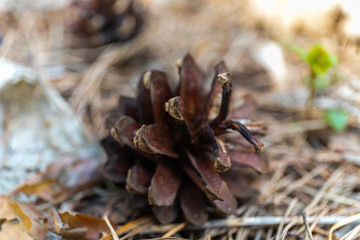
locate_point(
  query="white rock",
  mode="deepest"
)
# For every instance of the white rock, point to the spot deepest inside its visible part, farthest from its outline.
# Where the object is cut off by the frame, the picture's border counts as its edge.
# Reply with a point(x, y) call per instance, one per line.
point(36, 127)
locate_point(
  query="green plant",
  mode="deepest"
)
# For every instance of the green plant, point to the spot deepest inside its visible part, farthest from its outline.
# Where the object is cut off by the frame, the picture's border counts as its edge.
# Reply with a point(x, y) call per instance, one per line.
point(337, 119)
point(320, 62)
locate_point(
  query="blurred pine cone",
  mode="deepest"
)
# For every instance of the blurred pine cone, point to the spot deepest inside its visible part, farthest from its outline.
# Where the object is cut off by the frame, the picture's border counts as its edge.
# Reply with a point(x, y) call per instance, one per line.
point(99, 22)
point(181, 148)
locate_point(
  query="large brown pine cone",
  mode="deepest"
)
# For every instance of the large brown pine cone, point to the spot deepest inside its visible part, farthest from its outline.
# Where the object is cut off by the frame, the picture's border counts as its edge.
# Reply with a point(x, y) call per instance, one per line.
point(181, 148)
point(98, 22)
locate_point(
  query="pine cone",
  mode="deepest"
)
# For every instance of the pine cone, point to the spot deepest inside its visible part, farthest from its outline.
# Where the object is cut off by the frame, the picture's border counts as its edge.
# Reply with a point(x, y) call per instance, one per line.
point(178, 146)
point(99, 22)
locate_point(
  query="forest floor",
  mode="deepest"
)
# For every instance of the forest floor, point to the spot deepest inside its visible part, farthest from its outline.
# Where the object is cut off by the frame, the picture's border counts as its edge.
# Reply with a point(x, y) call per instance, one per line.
point(311, 189)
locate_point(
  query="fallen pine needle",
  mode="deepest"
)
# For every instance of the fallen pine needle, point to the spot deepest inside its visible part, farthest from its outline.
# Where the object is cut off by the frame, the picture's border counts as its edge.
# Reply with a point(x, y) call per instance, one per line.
point(288, 211)
point(129, 226)
point(176, 229)
point(352, 234)
point(343, 223)
point(113, 233)
point(263, 221)
point(136, 231)
point(307, 228)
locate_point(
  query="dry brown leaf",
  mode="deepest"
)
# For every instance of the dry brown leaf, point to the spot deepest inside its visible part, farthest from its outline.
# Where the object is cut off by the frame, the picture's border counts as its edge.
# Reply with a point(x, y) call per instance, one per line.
point(46, 189)
point(63, 177)
point(20, 221)
point(78, 226)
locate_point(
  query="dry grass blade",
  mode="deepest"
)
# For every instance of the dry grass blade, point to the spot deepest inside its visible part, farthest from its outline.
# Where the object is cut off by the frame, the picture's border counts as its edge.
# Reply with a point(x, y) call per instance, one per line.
point(300, 182)
point(290, 225)
point(258, 234)
point(113, 233)
point(243, 233)
point(176, 229)
point(287, 213)
point(332, 197)
point(322, 213)
point(207, 236)
point(129, 226)
point(334, 177)
point(307, 228)
point(352, 234)
point(136, 231)
point(343, 223)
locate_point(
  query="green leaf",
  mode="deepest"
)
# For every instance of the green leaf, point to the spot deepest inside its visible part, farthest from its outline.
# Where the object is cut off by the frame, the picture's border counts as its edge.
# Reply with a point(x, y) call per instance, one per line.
point(337, 119)
point(320, 60)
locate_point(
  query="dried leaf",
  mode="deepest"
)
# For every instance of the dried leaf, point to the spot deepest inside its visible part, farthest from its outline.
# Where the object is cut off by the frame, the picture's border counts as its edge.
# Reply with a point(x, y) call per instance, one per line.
point(63, 177)
point(27, 226)
point(76, 173)
point(46, 189)
point(72, 224)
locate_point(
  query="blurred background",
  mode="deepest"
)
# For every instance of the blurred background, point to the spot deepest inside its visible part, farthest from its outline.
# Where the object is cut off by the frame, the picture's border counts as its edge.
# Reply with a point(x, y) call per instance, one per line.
point(94, 51)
